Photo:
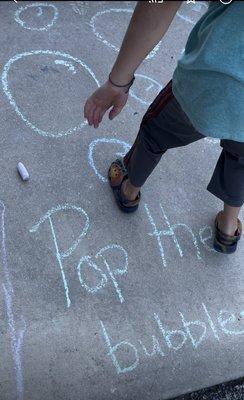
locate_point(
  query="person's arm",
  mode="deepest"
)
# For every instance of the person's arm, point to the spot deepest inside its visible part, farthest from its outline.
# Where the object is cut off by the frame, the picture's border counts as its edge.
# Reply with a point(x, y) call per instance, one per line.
point(149, 23)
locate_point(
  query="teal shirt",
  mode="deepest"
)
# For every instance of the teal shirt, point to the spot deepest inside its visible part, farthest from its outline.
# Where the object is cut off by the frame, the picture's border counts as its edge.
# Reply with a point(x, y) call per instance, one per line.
point(208, 81)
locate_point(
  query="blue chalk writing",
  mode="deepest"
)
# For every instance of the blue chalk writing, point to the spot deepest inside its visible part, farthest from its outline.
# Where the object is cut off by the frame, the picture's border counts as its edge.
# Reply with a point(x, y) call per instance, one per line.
point(209, 236)
point(113, 349)
point(226, 317)
point(171, 233)
point(60, 256)
point(103, 281)
point(173, 339)
point(156, 348)
point(187, 325)
point(169, 335)
point(211, 322)
point(120, 270)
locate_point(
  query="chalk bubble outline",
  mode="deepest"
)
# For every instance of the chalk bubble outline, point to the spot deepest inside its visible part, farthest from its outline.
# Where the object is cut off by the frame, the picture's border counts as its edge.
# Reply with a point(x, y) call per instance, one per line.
point(138, 98)
point(64, 207)
point(92, 145)
point(13, 103)
point(101, 38)
point(23, 23)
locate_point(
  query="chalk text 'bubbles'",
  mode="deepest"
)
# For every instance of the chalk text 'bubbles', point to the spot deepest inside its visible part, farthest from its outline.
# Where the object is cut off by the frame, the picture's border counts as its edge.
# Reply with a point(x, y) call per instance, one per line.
point(107, 21)
point(97, 142)
point(92, 276)
point(37, 16)
point(51, 89)
point(126, 356)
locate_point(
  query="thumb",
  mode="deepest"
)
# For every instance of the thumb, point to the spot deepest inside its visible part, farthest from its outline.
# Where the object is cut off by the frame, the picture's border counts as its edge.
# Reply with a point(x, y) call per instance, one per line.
point(114, 112)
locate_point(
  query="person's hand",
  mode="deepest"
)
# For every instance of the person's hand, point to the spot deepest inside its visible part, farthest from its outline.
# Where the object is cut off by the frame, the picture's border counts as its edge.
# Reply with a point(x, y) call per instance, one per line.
point(101, 100)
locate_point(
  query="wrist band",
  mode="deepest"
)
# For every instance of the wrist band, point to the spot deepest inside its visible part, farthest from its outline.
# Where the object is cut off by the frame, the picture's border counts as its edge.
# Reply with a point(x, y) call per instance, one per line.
point(121, 86)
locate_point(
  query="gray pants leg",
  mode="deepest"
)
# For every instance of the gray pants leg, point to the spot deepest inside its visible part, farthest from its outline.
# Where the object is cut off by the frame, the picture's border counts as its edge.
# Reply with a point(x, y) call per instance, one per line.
point(165, 126)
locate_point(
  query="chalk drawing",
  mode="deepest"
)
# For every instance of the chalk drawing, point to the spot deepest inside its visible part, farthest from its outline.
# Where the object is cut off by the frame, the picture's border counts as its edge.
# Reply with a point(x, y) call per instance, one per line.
point(196, 7)
point(62, 255)
point(39, 7)
point(187, 325)
point(120, 270)
point(209, 236)
point(212, 326)
point(149, 88)
point(106, 42)
point(225, 317)
point(157, 234)
point(39, 12)
point(67, 64)
point(225, 1)
point(87, 259)
point(156, 85)
point(113, 349)
point(80, 7)
point(168, 335)
point(170, 232)
point(174, 340)
point(16, 336)
point(12, 101)
point(156, 348)
point(98, 141)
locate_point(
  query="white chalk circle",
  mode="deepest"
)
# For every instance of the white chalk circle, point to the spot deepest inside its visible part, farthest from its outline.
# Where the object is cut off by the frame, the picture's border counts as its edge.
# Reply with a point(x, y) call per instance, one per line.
point(100, 37)
point(12, 101)
point(150, 86)
point(94, 143)
point(19, 16)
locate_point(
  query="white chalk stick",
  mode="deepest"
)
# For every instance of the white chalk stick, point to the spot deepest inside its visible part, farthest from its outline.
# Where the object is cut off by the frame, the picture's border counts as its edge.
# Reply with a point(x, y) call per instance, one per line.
point(23, 172)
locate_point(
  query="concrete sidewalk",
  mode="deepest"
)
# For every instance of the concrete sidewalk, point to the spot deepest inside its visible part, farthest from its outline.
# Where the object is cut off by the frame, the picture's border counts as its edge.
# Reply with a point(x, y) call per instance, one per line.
point(97, 304)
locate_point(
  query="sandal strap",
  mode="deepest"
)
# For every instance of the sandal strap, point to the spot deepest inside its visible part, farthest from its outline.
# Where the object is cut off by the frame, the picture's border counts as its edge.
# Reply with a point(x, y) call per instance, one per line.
point(129, 203)
point(225, 239)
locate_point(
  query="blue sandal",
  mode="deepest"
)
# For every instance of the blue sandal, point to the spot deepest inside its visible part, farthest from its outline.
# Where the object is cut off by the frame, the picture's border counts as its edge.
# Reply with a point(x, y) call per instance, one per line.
point(117, 174)
point(226, 243)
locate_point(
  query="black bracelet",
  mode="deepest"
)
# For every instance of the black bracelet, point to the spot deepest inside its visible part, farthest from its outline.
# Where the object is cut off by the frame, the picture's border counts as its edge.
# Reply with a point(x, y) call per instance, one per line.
point(121, 86)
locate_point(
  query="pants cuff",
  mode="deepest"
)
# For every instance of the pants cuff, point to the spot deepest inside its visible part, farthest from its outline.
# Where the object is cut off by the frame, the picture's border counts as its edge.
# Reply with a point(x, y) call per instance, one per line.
point(233, 202)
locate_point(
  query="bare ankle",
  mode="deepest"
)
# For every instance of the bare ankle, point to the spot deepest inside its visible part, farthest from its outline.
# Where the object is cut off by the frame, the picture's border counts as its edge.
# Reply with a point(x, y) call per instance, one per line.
point(129, 190)
point(227, 224)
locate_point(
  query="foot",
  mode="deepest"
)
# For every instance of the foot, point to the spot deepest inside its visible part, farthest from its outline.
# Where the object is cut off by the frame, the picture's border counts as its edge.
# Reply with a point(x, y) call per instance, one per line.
point(129, 192)
point(227, 226)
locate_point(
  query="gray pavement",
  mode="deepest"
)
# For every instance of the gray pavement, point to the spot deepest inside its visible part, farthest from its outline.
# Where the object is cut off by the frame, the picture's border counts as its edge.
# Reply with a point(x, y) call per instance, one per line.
point(97, 304)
